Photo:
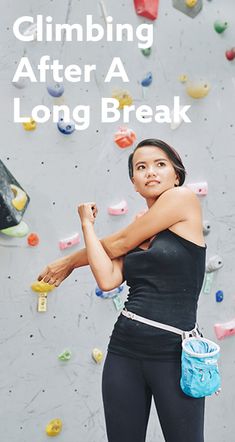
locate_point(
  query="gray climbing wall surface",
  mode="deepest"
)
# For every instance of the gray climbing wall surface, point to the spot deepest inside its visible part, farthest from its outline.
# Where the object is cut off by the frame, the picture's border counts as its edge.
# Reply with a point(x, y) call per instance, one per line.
point(189, 59)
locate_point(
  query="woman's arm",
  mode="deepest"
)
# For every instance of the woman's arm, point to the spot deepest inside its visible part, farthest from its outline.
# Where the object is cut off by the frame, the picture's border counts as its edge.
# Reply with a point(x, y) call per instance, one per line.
point(108, 273)
point(172, 206)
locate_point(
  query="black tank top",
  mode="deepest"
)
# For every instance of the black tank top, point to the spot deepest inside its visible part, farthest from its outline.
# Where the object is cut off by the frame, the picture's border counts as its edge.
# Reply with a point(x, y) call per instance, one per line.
point(164, 285)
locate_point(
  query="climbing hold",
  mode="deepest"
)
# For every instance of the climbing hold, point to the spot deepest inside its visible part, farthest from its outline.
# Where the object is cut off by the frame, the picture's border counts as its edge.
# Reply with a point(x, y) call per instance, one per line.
point(65, 355)
point(124, 137)
point(146, 51)
point(20, 199)
point(206, 227)
point(118, 302)
point(219, 296)
point(147, 8)
point(30, 125)
point(124, 98)
point(31, 30)
point(230, 54)
point(198, 188)
point(33, 239)
point(220, 26)
point(214, 263)
point(190, 3)
point(56, 89)
point(42, 287)
point(118, 209)
point(69, 242)
point(16, 231)
point(109, 294)
point(20, 84)
point(208, 281)
point(147, 80)
point(97, 355)
point(183, 78)
point(11, 216)
point(225, 329)
point(189, 7)
point(174, 123)
point(66, 128)
point(54, 427)
point(197, 90)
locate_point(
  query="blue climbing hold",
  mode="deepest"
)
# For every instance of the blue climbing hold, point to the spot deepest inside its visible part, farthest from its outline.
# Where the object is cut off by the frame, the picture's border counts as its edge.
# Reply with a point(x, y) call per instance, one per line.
point(219, 296)
point(147, 80)
point(56, 89)
point(66, 128)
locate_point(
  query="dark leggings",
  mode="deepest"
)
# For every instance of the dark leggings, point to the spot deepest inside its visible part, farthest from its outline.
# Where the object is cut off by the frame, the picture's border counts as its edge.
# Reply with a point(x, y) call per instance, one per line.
point(128, 386)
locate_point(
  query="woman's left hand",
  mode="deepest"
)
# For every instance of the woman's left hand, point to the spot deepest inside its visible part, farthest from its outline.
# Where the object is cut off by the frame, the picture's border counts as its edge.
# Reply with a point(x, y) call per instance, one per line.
point(87, 212)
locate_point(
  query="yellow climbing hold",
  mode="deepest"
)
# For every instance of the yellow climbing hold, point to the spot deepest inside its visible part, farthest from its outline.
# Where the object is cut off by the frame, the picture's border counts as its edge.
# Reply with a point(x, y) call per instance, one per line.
point(190, 3)
point(20, 197)
point(97, 355)
point(30, 125)
point(183, 78)
point(42, 287)
point(197, 90)
point(123, 97)
point(54, 427)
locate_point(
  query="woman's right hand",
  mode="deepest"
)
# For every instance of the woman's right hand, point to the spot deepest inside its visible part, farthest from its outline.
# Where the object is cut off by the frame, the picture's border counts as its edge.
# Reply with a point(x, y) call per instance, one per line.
point(57, 271)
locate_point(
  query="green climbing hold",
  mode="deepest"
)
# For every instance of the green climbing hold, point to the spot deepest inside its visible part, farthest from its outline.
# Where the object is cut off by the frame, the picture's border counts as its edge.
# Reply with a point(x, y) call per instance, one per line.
point(220, 26)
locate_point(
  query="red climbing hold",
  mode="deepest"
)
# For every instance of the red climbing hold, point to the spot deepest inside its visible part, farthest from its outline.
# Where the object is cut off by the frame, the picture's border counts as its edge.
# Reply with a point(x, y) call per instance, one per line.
point(147, 8)
point(33, 239)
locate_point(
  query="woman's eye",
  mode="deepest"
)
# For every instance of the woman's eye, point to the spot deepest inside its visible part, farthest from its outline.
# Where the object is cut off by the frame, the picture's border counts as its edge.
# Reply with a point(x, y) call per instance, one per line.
point(140, 166)
point(161, 162)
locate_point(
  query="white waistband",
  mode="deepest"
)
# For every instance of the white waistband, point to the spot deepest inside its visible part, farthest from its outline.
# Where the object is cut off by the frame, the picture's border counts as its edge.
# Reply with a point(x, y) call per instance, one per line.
point(184, 334)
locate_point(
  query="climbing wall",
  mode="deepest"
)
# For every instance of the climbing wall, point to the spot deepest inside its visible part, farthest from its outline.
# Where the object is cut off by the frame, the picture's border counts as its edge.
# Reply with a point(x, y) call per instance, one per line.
point(51, 360)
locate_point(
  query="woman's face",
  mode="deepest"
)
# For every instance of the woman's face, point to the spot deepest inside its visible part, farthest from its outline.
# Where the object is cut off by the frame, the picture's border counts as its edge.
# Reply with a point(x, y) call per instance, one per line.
point(153, 173)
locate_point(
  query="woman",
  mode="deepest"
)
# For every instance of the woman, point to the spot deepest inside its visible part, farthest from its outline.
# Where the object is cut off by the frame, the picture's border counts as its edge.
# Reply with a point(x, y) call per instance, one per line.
point(161, 255)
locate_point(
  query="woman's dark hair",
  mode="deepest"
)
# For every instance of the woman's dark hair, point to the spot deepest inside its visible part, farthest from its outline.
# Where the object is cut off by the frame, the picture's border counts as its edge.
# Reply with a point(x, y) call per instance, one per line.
point(171, 153)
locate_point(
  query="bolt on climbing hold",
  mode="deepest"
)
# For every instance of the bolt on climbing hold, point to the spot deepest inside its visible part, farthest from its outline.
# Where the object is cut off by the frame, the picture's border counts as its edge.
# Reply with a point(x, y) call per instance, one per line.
point(198, 188)
point(16, 231)
point(220, 26)
point(118, 302)
point(56, 89)
point(54, 427)
point(183, 78)
point(118, 209)
point(20, 200)
point(30, 125)
point(147, 8)
point(230, 54)
point(219, 296)
point(97, 355)
point(65, 355)
point(214, 263)
point(197, 90)
point(66, 128)
point(206, 227)
point(147, 80)
point(42, 288)
point(109, 294)
point(124, 98)
point(33, 239)
point(225, 329)
point(146, 51)
point(124, 137)
point(189, 7)
point(69, 242)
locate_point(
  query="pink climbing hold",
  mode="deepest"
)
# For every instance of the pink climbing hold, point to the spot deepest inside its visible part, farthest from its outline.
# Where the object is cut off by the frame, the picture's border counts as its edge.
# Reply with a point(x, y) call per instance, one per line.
point(147, 8)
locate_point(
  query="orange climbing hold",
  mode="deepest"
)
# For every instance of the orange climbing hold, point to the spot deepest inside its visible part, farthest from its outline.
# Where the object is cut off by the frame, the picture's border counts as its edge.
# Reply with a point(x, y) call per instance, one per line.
point(124, 137)
point(33, 239)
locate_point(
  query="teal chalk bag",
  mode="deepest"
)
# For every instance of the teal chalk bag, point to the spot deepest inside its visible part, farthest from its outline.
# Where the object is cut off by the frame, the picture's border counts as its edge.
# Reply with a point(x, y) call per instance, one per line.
point(199, 360)
point(199, 367)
